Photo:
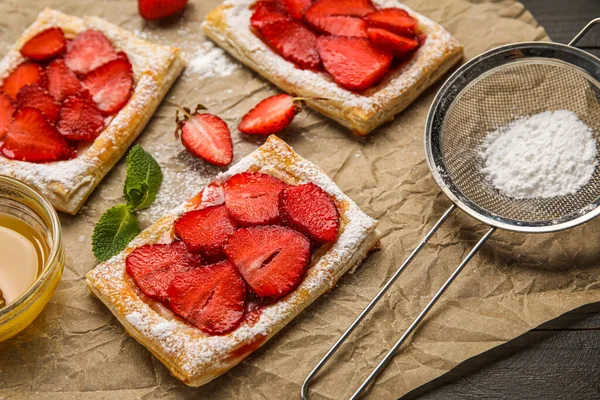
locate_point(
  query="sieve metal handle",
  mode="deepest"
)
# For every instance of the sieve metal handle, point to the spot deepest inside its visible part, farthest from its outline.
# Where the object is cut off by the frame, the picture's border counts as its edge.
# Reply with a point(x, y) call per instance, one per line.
point(585, 30)
point(379, 295)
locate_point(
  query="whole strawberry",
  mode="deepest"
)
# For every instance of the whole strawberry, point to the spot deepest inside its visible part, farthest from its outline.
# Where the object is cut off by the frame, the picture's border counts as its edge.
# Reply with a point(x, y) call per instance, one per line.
point(158, 9)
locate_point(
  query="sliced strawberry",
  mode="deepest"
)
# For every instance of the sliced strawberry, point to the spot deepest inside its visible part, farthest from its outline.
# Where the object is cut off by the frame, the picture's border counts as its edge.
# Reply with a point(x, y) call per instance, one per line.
point(206, 136)
point(329, 8)
point(25, 74)
point(153, 267)
point(32, 138)
point(293, 41)
point(45, 45)
point(7, 109)
point(211, 297)
point(89, 50)
point(37, 97)
point(342, 26)
point(205, 230)
point(272, 259)
point(353, 62)
point(252, 198)
point(158, 9)
point(80, 118)
point(394, 20)
point(271, 115)
point(309, 209)
point(110, 85)
point(62, 82)
point(265, 13)
point(296, 8)
point(387, 40)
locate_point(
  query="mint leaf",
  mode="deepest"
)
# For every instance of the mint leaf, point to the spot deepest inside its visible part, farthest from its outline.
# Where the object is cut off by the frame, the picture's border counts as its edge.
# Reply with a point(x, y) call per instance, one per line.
point(113, 232)
point(143, 179)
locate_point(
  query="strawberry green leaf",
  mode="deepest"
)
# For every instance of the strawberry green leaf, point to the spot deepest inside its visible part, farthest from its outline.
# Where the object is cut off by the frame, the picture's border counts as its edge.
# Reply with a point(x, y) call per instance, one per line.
point(113, 232)
point(143, 179)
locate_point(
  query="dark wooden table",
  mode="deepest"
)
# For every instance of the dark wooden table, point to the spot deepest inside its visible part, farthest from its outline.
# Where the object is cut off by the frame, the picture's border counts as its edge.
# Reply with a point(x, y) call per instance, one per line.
point(561, 359)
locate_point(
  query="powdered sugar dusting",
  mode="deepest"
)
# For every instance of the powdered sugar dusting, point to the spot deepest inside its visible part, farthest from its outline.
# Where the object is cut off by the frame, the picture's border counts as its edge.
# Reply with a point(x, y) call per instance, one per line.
point(210, 61)
point(199, 354)
point(541, 156)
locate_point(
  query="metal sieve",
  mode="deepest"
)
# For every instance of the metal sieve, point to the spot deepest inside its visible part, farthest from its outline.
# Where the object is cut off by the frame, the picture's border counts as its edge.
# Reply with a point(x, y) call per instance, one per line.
point(483, 95)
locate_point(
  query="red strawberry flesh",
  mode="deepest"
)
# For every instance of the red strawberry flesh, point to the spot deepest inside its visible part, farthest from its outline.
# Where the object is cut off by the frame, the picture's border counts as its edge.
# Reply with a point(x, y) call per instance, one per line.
point(353, 63)
point(7, 109)
point(309, 209)
point(89, 50)
point(252, 198)
point(296, 8)
point(207, 136)
point(37, 97)
point(205, 230)
point(272, 259)
point(342, 26)
point(293, 41)
point(271, 115)
point(153, 267)
point(32, 138)
point(110, 85)
point(211, 297)
point(265, 13)
point(394, 20)
point(62, 82)
point(80, 118)
point(25, 74)
point(386, 40)
point(329, 8)
point(45, 45)
point(158, 9)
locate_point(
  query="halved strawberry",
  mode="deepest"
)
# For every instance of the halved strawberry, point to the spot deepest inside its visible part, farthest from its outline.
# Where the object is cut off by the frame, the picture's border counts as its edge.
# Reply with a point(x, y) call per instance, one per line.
point(45, 45)
point(271, 115)
point(293, 41)
point(110, 85)
point(329, 8)
point(158, 9)
point(353, 63)
point(153, 267)
point(394, 20)
point(252, 198)
point(89, 50)
point(32, 138)
point(62, 82)
point(296, 8)
point(25, 74)
point(272, 259)
point(265, 13)
point(387, 40)
point(211, 297)
point(7, 109)
point(309, 209)
point(80, 118)
point(206, 136)
point(342, 26)
point(211, 195)
point(205, 230)
point(37, 97)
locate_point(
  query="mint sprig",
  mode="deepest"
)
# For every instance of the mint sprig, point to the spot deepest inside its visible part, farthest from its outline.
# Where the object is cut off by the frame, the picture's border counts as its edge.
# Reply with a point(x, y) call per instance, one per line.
point(118, 225)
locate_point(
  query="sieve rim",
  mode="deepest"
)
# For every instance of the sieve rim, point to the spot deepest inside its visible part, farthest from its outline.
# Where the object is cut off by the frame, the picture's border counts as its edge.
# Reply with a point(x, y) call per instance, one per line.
point(462, 79)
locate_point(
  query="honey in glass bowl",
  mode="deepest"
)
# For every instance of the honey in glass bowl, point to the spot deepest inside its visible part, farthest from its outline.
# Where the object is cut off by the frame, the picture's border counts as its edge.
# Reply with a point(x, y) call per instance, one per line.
point(31, 255)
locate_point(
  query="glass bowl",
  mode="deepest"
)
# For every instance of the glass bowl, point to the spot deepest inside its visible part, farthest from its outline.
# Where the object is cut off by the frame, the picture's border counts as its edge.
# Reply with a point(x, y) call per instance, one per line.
point(21, 201)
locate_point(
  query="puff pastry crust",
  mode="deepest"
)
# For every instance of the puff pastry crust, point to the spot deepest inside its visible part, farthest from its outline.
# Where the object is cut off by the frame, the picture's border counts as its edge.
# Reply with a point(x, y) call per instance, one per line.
point(67, 184)
point(229, 27)
point(194, 357)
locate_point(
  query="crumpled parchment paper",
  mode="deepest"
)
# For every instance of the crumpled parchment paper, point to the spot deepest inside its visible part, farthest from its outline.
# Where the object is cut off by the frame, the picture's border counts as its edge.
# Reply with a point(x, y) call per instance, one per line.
point(76, 348)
